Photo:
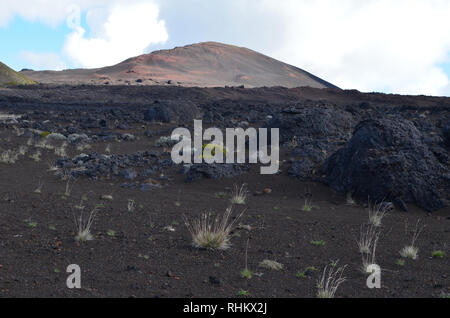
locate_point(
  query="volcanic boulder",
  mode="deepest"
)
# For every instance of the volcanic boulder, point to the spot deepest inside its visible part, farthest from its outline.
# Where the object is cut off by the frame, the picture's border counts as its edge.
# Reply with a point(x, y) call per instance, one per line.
point(387, 159)
point(169, 111)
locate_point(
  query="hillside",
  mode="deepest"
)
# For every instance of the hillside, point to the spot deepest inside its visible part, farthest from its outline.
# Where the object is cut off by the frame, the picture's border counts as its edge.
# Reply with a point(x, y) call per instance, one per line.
point(10, 77)
point(206, 64)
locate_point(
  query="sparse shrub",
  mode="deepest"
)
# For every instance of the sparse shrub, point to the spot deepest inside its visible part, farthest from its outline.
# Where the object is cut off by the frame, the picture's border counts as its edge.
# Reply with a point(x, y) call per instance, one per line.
point(39, 188)
point(83, 147)
point(369, 257)
point(377, 212)
point(9, 157)
point(69, 187)
point(330, 281)
point(23, 150)
point(239, 195)
point(43, 144)
point(367, 237)
point(131, 206)
point(62, 150)
point(412, 251)
point(36, 156)
point(307, 205)
point(212, 233)
point(349, 199)
point(84, 226)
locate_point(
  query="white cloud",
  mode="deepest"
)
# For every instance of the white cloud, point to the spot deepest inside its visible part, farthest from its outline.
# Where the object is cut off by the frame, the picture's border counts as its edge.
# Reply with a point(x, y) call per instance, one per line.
point(119, 32)
point(395, 46)
point(43, 61)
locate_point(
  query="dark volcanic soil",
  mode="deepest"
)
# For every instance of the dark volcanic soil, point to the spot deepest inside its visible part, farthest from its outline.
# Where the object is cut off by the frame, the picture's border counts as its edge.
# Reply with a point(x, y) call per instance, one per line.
point(112, 149)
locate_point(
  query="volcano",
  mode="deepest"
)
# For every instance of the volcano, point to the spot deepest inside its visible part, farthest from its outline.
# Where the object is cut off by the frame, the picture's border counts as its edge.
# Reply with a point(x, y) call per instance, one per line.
point(208, 64)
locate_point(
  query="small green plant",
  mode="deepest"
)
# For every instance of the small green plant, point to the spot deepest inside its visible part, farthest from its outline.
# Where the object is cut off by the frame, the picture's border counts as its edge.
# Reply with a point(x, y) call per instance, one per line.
point(111, 233)
point(400, 262)
point(312, 269)
point(318, 243)
point(220, 195)
point(307, 205)
point(438, 254)
point(301, 275)
point(246, 273)
point(243, 293)
point(32, 224)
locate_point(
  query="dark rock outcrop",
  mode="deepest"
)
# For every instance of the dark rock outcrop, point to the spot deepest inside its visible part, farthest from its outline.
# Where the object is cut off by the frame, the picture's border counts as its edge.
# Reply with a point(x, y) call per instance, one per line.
point(215, 171)
point(169, 111)
point(387, 159)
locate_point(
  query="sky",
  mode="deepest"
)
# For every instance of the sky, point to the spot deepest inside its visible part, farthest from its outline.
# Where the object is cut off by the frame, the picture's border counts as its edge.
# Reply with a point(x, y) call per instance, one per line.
point(391, 46)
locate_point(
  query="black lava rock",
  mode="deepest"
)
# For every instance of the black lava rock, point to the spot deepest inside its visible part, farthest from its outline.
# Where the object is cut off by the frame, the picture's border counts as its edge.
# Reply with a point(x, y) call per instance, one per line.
point(386, 159)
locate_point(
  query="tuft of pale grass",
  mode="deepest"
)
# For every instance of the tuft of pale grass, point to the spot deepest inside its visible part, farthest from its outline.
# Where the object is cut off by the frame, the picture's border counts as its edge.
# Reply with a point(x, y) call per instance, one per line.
point(9, 157)
point(369, 257)
point(84, 226)
point(131, 206)
point(36, 156)
point(23, 150)
point(377, 212)
point(367, 237)
point(239, 195)
point(330, 280)
point(43, 144)
point(61, 151)
point(39, 188)
point(212, 233)
point(412, 251)
point(273, 265)
point(68, 188)
point(82, 147)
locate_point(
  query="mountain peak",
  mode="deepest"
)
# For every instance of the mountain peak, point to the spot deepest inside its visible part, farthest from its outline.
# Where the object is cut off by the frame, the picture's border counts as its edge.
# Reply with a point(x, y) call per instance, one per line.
point(205, 64)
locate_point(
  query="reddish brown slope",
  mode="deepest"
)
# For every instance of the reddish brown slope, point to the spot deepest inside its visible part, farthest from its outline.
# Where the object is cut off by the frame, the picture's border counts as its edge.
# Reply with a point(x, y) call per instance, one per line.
point(204, 64)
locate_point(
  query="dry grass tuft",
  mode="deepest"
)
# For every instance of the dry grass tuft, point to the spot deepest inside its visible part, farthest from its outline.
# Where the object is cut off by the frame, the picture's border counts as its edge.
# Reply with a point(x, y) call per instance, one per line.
point(84, 226)
point(412, 251)
point(330, 280)
point(239, 195)
point(212, 233)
